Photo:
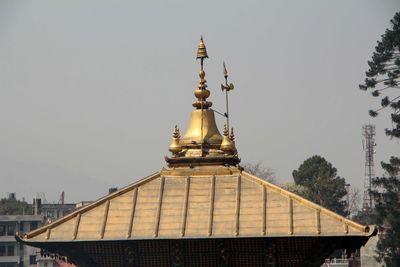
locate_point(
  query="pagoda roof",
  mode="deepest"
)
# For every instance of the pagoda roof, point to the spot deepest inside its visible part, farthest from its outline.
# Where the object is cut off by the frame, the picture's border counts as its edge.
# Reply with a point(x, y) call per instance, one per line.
point(197, 202)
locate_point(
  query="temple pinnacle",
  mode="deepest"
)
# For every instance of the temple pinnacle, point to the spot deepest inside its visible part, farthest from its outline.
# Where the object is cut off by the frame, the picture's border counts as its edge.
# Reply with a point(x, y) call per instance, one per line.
point(202, 93)
point(201, 50)
point(202, 144)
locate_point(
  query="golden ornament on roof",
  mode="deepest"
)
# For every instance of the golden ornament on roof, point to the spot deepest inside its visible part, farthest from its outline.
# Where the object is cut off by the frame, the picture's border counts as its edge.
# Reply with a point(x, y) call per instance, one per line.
point(227, 145)
point(175, 146)
point(232, 137)
point(201, 50)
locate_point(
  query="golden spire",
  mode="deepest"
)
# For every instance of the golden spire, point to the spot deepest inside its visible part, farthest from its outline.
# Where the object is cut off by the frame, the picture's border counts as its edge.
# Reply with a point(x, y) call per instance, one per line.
point(202, 93)
point(201, 50)
point(175, 146)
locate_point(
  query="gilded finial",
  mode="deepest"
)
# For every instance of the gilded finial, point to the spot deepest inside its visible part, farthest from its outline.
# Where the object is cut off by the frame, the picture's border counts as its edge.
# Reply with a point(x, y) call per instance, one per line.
point(232, 137)
point(202, 50)
point(176, 133)
point(202, 93)
point(227, 145)
point(226, 131)
point(175, 146)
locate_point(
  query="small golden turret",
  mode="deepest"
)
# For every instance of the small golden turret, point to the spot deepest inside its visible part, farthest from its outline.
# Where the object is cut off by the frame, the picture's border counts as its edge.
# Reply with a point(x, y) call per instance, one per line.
point(175, 146)
point(227, 144)
point(232, 137)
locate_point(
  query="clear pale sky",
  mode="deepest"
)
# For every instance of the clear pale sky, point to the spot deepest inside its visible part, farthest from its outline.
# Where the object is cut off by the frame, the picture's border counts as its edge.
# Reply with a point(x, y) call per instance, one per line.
point(90, 90)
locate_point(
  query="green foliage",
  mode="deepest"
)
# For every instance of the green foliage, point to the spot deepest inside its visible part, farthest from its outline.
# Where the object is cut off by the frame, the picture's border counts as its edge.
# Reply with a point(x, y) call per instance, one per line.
point(384, 73)
point(297, 189)
point(324, 186)
point(387, 209)
point(14, 207)
point(365, 217)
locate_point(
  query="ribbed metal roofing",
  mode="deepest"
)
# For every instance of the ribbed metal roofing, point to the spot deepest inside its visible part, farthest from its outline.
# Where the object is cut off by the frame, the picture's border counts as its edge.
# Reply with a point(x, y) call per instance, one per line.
point(198, 203)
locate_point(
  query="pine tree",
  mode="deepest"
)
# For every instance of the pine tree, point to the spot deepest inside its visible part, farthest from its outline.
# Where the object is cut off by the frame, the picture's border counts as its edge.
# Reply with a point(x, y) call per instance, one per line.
point(322, 184)
point(384, 74)
point(387, 209)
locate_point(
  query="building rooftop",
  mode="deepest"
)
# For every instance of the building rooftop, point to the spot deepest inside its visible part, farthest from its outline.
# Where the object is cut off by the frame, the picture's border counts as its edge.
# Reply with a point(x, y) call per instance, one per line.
point(202, 194)
point(198, 203)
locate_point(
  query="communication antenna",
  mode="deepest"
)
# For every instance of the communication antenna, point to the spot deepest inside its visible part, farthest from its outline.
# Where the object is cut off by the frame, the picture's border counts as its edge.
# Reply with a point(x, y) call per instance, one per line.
point(368, 147)
point(227, 87)
point(62, 198)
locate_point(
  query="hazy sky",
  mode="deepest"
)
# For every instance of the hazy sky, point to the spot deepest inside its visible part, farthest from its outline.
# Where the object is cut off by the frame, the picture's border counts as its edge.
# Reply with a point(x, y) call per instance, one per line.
point(90, 90)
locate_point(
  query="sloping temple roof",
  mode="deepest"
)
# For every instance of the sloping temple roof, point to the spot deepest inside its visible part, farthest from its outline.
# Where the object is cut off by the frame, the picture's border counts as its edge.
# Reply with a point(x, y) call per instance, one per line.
point(180, 203)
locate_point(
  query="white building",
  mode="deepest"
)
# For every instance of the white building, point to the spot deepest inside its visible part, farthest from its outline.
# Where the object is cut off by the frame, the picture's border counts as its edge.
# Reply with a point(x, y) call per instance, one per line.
point(13, 254)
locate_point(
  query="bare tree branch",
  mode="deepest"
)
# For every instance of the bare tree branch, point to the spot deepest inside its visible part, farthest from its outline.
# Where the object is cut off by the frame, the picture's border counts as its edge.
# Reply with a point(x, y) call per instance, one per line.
point(259, 170)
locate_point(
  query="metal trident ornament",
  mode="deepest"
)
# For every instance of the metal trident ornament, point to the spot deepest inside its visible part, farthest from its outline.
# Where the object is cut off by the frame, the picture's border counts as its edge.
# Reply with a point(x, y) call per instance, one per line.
point(227, 87)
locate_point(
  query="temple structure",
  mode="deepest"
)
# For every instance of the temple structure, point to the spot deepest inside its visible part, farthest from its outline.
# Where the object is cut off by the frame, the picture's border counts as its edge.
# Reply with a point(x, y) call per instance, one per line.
point(202, 209)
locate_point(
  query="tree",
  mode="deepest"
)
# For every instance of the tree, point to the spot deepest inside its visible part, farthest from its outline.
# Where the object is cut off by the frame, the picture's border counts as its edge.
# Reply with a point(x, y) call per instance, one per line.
point(353, 201)
point(324, 186)
point(384, 74)
point(387, 210)
point(297, 189)
point(14, 207)
point(260, 171)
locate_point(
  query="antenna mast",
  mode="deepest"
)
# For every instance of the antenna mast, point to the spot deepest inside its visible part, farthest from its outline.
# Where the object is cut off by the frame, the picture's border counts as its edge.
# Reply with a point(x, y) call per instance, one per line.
point(369, 139)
